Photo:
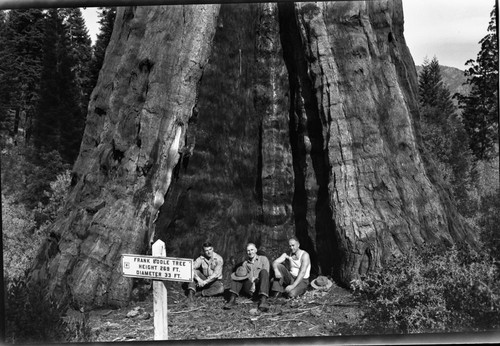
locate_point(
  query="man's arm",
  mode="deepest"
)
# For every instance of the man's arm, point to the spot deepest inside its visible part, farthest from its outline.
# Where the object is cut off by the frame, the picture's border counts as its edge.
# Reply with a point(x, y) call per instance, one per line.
point(196, 265)
point(304, 263)
point(277, 261)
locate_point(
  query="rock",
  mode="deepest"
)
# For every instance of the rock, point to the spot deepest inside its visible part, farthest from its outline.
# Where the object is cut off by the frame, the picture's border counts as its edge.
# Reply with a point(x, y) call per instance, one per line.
point(134, 312)
point(144, 316)
point(253, 312)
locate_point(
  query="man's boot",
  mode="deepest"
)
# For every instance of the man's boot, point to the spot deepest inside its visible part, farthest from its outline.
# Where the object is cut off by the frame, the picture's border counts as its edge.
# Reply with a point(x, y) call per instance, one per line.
point(231, 302)
point(263, 304)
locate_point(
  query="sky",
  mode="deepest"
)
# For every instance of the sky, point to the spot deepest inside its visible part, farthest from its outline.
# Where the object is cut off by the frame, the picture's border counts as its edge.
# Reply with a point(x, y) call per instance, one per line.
point(447, 29)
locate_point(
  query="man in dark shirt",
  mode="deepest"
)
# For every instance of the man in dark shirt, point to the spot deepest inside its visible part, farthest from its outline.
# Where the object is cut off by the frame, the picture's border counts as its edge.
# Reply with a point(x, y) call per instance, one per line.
point(251, 277)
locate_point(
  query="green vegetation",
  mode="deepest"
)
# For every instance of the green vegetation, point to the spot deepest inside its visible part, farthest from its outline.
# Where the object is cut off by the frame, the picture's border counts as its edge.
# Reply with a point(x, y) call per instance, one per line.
point(480, 106)
point(431, 290)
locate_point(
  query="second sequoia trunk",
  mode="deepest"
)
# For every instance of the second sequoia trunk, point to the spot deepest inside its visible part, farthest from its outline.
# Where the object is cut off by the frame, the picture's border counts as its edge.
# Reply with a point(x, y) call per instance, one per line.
point(354, 114)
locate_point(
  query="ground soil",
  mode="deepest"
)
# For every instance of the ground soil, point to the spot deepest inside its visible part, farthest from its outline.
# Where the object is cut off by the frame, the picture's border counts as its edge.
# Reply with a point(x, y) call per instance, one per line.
point(316, 313)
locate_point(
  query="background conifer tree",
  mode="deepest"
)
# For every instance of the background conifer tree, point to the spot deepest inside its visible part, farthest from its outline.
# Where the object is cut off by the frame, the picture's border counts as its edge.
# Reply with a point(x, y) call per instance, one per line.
point(480, 107)
point(20, 65)
point(59, 122)
point(80, 52)
point(444, 136)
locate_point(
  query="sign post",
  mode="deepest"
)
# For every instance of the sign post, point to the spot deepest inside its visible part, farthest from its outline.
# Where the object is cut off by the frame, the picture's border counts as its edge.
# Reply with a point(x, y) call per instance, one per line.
point(158, 267)
point(160, 310)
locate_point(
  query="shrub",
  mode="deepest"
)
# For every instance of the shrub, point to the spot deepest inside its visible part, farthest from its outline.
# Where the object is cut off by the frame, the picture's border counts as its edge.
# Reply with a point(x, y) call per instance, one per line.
point(20, 226)
point(41, 169)
point(489, 221)
point(20, 239)
point(431, 291)
point(29, 316)
point(26, 174)
point(56, 195)
point(32, 317)
point(77, 328)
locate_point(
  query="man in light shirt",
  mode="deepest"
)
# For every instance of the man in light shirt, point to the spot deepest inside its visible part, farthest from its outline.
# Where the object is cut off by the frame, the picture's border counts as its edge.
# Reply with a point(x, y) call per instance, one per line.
point(295, 281)
point(207, 274)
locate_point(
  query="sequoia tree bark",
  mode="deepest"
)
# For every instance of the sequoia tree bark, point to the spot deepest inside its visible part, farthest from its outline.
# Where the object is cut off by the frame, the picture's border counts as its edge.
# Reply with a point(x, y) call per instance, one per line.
point(354, 111)
point(305, 123)
point(135, 129)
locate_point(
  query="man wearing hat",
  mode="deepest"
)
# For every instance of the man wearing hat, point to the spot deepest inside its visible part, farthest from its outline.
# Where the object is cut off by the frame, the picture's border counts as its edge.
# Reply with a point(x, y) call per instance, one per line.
point(252, 276)
point(207, 274)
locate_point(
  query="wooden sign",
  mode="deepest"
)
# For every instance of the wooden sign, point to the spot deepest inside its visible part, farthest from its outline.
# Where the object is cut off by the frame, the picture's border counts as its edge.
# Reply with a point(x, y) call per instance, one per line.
point(157, 268)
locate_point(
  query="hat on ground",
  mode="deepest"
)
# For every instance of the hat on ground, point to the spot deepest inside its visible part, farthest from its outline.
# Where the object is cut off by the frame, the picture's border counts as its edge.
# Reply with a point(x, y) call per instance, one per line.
point(321, 283)
point(240, 274)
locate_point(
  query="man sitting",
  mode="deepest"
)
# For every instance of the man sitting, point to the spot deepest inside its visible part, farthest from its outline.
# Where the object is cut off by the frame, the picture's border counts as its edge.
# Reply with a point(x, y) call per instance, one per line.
point(295, 281)
point(207, 274)
point(252, 276)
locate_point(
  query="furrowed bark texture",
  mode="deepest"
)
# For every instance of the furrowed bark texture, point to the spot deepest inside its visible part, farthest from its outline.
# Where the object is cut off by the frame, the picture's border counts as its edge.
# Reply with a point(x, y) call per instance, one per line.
point(353, 111)
point(238, 185)
point(271, 98)
point(214, 198)
point(137, 120)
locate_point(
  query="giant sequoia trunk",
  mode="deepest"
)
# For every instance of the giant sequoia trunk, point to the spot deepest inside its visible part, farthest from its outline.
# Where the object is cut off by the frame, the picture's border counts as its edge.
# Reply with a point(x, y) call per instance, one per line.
point(136, 125)
point(305, 123)
point(353, 111)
